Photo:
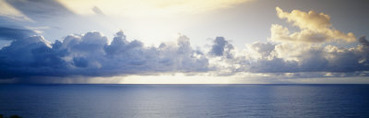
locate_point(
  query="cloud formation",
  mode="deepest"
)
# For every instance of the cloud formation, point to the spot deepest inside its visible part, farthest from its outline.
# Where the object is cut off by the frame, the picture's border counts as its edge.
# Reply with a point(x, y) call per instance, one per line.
point(289, 58)
point(309, 52)
point(221, 47)
point(91, 55)
point(40, 8)
point(9, 11)
point(10, 33)
point(314, 27)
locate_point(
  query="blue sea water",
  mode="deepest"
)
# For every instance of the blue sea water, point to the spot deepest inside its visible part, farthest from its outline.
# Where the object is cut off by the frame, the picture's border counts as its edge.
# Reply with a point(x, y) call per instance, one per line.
point(184, 101)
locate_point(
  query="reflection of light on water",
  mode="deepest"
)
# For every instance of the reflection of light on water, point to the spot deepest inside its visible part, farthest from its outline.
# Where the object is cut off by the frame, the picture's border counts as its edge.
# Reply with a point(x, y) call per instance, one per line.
point(178, 78)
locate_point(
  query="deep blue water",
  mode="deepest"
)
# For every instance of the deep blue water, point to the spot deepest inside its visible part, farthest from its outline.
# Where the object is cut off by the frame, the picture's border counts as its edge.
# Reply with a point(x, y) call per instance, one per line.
point(184, 101)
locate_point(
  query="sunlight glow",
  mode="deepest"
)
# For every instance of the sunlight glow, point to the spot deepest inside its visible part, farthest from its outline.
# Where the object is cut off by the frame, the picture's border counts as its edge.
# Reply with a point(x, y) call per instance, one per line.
point(198, 78)
point(146, 7)
point(151, 21)
point(178, 78)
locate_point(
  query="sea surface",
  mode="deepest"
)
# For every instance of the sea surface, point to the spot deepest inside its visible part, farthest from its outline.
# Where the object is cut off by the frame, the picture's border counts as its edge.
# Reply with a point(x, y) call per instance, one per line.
point(184, 101)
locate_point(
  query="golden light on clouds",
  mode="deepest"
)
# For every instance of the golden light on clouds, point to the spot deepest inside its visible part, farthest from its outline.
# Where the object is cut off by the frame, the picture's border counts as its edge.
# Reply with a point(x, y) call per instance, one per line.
point(147, 7)
point(314, 27)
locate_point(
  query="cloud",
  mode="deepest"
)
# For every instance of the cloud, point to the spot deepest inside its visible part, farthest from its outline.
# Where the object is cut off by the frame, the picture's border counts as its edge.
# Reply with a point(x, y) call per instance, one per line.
point(314, 28)
point(97, 11)
point(285, 58)
point(260, 50)
point(39, 9)
point(9, 11)
point(10, 33)
point(221, 47)
point(363, 41)
point(91, 55)
point(310, 52)
point(306, 20)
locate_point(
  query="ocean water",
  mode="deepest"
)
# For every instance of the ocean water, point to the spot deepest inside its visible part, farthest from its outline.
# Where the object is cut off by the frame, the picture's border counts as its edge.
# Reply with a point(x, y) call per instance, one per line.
point(184, 101)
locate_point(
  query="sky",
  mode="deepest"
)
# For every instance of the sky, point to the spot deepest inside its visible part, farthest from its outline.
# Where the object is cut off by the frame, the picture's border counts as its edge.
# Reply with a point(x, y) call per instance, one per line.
point(184, 41)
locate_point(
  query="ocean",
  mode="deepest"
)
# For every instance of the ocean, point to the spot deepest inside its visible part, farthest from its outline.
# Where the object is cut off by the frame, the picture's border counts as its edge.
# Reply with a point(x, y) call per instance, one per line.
point(184, 101)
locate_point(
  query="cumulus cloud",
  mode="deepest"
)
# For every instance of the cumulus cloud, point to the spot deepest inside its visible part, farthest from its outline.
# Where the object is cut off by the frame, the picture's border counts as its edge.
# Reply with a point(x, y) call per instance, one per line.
point(285, 58)
point(91, 55)
point(314, 27)
point(308, 53)
point(221, 47)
